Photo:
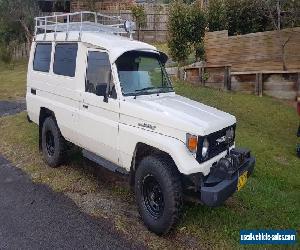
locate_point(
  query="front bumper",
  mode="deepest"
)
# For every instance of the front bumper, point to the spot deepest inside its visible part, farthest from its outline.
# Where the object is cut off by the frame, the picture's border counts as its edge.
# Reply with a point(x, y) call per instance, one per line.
point(219, 185)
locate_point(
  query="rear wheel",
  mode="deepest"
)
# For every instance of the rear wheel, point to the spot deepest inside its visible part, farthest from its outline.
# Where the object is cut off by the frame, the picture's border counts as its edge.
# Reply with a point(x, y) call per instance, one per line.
point(53, 143)
point(158, 193)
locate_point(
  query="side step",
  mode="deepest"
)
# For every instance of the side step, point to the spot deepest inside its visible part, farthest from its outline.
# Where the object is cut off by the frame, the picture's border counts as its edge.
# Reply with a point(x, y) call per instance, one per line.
point(104, 163)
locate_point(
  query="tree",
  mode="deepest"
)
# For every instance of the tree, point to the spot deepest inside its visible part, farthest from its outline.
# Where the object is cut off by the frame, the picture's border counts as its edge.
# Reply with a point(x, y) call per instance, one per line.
point(282, 14)
point(19, 12)
point(186, 26)
point(139, 16)
point(178, 30)
point(197, 23)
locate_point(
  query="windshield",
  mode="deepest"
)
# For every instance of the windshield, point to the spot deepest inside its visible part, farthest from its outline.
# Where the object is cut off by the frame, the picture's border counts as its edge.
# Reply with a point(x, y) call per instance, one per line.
point(142, 73)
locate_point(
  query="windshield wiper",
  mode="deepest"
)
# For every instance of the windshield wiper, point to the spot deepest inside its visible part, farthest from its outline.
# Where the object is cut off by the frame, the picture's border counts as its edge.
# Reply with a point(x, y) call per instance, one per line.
point(142, 91)
point(149, 88)
point(145, 89)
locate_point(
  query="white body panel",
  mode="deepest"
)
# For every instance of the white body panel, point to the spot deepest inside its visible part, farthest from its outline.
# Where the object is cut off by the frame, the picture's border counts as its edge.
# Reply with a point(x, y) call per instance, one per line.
point(113, 129)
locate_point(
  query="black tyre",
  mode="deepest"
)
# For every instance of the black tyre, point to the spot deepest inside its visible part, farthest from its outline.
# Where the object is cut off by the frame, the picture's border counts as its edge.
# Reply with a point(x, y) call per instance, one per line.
point(53, 143)
point(158, 192)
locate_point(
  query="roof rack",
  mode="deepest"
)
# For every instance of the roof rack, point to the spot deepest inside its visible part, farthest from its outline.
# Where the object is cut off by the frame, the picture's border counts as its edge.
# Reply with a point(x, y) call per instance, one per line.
point(83, 21)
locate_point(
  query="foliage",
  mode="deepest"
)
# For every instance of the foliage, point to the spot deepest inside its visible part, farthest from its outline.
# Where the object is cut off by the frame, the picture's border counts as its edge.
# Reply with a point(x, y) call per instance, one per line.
point(216, 15)
point(186, 26)
point(5, 54)
point(281, 14)
point(20, 14)
point(11, 31)
point(178, 28)
point(11, 35)
point(139, 16)
point(244, 17)
point(249, 16)
point(199, 51)
point(196, 32)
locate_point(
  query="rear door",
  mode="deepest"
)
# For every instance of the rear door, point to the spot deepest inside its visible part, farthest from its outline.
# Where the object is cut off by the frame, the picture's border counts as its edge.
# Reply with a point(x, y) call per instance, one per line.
point(99, 111)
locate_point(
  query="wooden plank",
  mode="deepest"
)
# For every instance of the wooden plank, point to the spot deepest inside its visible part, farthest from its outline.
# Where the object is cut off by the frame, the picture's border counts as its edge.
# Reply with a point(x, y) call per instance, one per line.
point(226, 78)
point(259, 84)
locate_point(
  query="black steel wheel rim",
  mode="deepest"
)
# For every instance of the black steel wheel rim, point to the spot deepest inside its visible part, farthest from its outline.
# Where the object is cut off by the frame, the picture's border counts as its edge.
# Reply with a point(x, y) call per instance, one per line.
point(153, 196)
point(50, 144)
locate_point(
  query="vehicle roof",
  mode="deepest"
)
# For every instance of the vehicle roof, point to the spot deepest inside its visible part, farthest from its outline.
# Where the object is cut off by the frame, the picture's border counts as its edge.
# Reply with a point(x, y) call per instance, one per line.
point(116, 45)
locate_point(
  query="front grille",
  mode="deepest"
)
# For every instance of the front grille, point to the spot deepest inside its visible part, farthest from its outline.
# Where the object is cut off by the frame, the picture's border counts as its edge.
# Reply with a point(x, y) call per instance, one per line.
point(215, 147)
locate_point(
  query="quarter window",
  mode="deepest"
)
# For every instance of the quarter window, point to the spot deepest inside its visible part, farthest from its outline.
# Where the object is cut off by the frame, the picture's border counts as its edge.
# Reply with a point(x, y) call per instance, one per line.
point(65, 59)
point(42, 57)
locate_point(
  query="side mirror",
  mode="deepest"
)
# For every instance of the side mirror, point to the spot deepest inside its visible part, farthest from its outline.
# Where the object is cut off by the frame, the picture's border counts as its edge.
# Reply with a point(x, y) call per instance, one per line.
point(101, 91)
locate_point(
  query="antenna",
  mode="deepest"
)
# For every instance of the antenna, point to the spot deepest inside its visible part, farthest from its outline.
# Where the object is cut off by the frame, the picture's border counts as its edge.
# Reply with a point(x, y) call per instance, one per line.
point(81, 22)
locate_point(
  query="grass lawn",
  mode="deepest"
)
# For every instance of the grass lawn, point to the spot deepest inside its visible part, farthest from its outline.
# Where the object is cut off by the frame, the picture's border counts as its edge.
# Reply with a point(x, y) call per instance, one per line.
point(13, 80)
point(270, 200)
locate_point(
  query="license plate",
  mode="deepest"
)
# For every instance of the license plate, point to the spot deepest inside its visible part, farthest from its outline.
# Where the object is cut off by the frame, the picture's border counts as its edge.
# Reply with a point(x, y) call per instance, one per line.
point(242, 180)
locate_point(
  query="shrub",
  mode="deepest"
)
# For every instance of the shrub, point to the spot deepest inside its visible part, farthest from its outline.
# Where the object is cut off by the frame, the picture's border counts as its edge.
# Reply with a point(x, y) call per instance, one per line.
point(196, 32)
point(186, 27)
point(178, 28)
point(199, 51)
point(244, 17)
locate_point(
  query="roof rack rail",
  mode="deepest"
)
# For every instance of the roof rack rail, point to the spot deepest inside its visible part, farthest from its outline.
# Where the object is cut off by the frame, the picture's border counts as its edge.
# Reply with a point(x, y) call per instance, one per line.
point(83, 21)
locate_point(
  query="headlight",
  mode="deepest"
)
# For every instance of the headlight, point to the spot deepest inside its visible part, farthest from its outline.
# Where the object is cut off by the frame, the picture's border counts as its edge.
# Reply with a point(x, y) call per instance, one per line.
point(205, 148)
point(192, 142)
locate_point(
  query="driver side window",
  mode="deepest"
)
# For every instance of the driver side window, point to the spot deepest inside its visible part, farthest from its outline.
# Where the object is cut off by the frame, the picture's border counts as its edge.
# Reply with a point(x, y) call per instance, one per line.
point(98, 75)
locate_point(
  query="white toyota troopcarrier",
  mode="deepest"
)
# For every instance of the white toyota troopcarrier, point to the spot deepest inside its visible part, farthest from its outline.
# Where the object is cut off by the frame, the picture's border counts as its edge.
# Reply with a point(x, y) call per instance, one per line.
point(90, 85)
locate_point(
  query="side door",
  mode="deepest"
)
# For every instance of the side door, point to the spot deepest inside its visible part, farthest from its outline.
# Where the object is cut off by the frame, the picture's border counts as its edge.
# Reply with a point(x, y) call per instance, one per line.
point(99, 111)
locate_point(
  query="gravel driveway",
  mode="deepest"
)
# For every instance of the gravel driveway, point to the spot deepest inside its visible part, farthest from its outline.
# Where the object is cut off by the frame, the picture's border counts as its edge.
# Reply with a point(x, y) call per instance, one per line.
point(12, 107)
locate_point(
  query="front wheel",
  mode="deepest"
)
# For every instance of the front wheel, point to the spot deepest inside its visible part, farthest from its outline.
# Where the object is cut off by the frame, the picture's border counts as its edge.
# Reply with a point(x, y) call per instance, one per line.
point(158, 193)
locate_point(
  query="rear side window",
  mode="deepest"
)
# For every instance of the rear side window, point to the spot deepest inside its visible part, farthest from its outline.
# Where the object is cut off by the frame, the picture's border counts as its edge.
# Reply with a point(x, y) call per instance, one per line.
point(42, 57)
point(65, 59)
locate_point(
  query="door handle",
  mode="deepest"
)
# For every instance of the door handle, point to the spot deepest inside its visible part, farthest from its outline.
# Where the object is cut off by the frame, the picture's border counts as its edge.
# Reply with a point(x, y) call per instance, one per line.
point(85, 106)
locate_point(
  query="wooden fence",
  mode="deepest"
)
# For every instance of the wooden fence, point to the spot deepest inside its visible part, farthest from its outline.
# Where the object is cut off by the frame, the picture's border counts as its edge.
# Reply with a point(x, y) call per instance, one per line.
point(279, 84)
point(254, 52)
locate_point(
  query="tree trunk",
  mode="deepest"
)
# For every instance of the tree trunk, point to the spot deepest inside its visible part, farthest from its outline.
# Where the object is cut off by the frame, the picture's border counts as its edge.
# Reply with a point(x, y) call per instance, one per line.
point(139, 31)
point(281, 44)
point(283, 57)
point(28, 35)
